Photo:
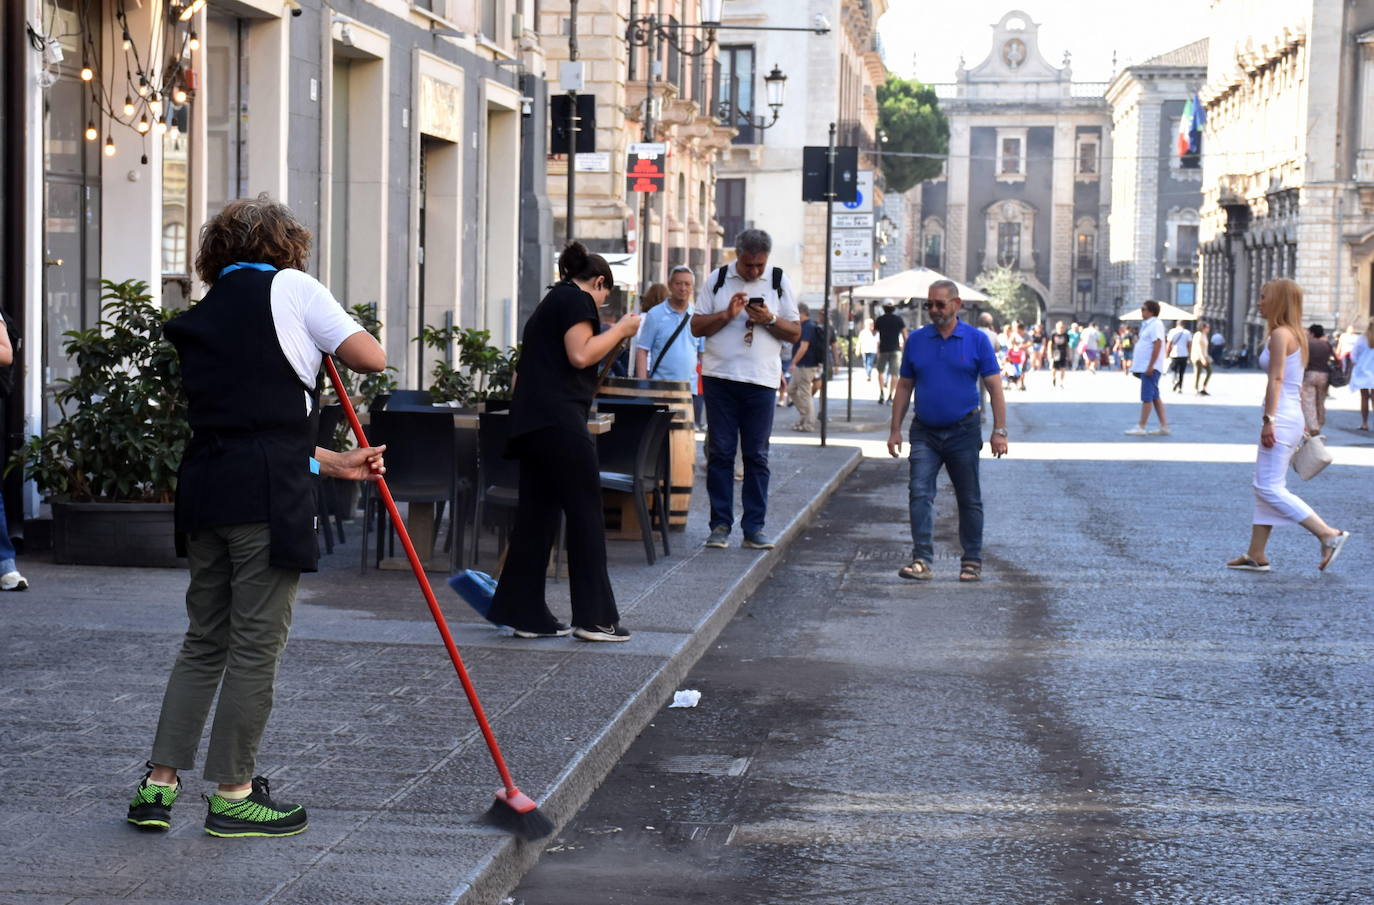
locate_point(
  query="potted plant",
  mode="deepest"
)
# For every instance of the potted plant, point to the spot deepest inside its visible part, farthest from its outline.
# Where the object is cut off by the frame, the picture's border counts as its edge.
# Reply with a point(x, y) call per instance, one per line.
point(109, 466)
point(484, 375)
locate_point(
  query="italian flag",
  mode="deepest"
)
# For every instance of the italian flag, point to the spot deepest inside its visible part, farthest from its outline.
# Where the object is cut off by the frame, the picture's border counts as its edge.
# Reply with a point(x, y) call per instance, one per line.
point(1190, 127)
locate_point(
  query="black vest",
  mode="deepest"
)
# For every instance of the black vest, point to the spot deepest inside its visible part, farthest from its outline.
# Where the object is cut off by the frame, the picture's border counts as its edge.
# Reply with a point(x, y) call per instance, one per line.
point(248, 459)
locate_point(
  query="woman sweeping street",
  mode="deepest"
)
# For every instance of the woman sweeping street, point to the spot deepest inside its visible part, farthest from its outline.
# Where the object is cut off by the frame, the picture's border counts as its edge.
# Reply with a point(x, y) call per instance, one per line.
point(1282, 426)
point(554, 386)
point(250, 353)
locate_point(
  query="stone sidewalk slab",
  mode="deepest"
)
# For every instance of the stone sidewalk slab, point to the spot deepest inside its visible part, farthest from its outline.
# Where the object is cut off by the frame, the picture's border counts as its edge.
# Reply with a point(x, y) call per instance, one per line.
point(370, 729)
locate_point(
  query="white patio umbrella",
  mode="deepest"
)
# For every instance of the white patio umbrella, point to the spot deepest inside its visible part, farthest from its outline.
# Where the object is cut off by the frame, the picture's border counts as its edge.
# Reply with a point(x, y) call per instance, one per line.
point(1167, 312)
point(913, 284)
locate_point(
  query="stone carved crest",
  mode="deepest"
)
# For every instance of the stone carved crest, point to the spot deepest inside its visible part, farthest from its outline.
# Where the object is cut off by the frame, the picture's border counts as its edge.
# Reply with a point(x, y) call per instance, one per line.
point(1014, 53)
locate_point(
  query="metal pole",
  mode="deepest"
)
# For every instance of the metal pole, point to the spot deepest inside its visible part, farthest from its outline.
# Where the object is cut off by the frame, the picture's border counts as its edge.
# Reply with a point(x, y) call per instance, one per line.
point(572, 128)
point(649, 66)
point(829, 257)
point(849, 360)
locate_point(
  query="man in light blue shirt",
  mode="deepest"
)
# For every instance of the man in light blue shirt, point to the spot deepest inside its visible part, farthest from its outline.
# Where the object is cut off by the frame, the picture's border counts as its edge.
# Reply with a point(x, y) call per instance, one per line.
point(663, 351)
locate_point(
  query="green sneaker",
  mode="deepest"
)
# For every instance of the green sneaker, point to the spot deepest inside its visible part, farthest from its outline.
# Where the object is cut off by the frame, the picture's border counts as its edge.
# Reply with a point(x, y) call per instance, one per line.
point(151, 808)
point(256, 815)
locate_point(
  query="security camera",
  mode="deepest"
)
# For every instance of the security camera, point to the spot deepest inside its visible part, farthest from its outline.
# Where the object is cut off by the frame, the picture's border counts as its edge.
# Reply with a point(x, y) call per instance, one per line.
point(294, 6)
point(820, 23)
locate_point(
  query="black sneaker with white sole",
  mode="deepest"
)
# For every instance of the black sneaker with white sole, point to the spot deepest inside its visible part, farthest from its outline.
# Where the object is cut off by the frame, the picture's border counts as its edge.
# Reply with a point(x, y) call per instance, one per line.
point(557, 630)
point(256, 815)
point(602, 633)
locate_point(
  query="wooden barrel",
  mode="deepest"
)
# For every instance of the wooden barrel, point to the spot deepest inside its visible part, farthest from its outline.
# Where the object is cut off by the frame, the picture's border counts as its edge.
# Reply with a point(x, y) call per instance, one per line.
point(682, 449)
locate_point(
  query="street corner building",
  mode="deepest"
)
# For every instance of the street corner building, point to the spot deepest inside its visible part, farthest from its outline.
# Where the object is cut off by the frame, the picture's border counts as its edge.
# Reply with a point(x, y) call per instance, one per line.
point(409, 137)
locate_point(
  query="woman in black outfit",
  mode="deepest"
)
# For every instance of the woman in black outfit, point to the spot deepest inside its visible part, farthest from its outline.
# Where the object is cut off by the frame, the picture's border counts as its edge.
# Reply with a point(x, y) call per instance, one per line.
point(554, 385)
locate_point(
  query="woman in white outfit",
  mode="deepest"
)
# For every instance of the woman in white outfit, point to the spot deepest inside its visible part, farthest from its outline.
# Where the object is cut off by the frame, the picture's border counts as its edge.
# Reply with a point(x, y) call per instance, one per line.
point(1362, 377)
point(1284, 359)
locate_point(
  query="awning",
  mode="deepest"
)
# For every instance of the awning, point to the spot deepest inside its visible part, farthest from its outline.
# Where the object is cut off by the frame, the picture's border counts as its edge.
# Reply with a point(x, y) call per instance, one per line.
point(914, 284)
point(1167, 312)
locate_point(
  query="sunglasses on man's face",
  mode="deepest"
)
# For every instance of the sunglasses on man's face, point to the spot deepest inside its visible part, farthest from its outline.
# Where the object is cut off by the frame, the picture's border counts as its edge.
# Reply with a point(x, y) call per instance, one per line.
point(934, 306)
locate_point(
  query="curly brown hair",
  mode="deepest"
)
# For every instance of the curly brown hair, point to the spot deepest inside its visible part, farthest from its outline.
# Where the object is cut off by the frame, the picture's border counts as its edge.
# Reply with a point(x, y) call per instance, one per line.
point(254, 230)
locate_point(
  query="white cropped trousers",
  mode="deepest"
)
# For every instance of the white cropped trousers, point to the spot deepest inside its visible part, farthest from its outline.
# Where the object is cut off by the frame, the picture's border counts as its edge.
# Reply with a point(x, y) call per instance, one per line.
point(1275, 504)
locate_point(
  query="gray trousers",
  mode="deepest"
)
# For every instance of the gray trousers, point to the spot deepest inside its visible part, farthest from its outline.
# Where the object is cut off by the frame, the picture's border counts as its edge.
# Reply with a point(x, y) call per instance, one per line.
point(239, 612)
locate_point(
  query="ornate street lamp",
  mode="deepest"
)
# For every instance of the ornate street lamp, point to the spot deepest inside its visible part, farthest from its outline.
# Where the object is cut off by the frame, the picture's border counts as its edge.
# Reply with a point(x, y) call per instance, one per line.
point(774, 90)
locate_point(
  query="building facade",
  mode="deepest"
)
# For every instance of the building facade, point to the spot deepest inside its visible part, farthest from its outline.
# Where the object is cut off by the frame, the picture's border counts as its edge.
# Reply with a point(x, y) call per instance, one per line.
point(1027, 184)
point(1156, 194)
point(1288, 160)
point(407, 136)
point(832, 77)
point(670, 73)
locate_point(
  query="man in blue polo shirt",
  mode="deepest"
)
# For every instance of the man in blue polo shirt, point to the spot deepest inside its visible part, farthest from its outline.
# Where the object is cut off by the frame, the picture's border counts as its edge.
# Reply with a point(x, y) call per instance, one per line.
point(943, 363)
point(667, 350)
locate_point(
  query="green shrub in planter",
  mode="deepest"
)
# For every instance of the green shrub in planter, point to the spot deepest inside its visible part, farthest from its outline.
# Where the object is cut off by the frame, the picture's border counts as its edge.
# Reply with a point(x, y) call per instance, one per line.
point(123, 426)
point(484, 373)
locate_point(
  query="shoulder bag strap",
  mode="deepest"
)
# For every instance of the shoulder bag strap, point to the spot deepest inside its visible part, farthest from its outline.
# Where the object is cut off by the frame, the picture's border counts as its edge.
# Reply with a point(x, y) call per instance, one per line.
point(686, 316)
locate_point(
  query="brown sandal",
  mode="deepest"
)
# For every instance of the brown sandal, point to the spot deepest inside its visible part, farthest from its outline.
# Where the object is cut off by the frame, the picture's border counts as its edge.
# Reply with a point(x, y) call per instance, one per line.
point(916, 570)
point(970, 570)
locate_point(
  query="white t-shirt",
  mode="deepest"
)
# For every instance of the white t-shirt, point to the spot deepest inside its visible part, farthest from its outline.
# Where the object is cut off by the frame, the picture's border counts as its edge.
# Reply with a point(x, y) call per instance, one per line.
point(309, 322)
point(868, 341)
point(1179, 338)
point(1150, 330)
point(726, 355)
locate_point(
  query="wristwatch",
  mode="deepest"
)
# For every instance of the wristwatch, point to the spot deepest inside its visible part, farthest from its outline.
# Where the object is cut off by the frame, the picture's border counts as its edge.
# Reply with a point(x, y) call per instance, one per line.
point(1267, 419)
point(1000, 431)
point(773, 321)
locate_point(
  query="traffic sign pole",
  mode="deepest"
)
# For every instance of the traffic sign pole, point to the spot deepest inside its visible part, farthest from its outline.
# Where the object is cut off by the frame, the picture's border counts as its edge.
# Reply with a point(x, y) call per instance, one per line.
point(829, 258)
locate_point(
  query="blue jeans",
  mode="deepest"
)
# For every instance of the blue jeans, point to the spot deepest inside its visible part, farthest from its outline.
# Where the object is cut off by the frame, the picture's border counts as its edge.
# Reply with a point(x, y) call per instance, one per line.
point(737, 414)
point(7, 563)
point(956, 447)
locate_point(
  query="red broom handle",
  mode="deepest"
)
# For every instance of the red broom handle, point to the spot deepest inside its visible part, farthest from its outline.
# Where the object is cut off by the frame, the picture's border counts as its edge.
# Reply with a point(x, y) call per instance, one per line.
point(423, 579)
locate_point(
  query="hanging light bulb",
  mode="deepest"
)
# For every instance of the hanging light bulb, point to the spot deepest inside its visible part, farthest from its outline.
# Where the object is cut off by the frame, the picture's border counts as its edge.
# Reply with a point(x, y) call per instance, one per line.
point(155, 105)
point(193, 42)
point(178, 95)
point(87, 73)
point(191, 9)
point(128, 106)
point(143, 86)
point(143, 126)
point(109, 146)
point(160, 127)
point(91, 133)
point(128, 42)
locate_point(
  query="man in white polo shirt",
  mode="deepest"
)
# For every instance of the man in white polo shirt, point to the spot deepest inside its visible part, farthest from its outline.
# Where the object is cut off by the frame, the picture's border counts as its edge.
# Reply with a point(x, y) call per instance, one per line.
point(1147, 364)
point(745, 311)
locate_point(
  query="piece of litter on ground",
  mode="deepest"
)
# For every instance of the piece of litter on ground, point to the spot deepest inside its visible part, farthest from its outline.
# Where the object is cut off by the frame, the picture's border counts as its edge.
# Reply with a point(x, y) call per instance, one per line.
point(688, 697)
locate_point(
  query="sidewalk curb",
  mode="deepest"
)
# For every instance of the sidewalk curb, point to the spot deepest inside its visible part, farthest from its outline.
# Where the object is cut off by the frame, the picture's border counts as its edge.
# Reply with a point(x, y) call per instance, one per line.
point(502, 870)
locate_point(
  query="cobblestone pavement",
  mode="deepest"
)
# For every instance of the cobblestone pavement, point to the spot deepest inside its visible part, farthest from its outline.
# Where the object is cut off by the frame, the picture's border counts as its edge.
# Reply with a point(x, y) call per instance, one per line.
point(370, 729)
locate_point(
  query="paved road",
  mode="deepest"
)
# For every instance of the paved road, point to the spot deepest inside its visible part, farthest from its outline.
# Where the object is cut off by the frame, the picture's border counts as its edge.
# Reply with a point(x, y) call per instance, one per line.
point(1111, 717)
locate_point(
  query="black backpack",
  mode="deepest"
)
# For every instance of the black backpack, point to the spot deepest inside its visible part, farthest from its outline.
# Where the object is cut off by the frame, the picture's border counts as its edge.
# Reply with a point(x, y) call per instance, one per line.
point(721, 274)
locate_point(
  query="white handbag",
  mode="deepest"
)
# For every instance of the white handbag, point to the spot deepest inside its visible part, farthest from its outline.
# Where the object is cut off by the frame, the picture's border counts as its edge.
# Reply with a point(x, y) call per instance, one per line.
point(1311, 456)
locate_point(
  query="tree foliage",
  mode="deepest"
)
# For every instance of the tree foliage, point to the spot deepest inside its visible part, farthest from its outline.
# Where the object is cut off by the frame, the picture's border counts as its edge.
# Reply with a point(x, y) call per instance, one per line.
point(909, 113)
point(1011, 297)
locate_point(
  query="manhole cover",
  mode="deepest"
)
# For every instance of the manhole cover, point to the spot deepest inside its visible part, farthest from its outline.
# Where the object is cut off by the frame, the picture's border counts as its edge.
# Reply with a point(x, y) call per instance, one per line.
point(709, 764)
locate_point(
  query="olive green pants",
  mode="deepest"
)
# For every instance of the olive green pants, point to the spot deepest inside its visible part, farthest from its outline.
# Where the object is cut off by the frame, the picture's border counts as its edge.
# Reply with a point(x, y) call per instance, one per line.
point(239, 612)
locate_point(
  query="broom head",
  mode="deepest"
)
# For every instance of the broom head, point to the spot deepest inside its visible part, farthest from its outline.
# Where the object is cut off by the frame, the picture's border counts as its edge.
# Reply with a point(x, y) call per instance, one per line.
point(476, 588)
point(516, 813)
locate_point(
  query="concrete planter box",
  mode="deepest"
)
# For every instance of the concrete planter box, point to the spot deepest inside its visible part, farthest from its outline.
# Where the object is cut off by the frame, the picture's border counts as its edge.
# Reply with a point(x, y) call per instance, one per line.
point(115, 534)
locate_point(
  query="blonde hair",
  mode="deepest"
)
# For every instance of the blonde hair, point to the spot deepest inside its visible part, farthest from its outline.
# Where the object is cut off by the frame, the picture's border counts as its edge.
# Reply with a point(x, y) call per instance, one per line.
point(1286, 310)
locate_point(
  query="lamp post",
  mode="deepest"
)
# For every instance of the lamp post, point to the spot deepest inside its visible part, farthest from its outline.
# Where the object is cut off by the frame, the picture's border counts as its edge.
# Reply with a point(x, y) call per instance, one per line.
point(774, 89)
point(648, 31)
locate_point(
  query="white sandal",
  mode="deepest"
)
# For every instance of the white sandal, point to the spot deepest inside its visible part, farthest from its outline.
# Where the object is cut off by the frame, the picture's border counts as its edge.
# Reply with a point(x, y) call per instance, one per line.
point(1332, 549)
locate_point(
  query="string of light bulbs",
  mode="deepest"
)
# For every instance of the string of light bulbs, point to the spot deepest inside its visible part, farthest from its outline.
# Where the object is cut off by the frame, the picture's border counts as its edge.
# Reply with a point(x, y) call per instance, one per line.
point(150, 96)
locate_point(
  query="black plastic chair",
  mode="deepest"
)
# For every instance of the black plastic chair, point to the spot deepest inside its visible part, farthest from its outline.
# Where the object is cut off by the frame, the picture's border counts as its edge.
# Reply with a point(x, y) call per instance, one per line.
point(498, 478)
point(403, 401)
point(634, 459)
point(327, 491)
point(419, 467)
point(466, 477)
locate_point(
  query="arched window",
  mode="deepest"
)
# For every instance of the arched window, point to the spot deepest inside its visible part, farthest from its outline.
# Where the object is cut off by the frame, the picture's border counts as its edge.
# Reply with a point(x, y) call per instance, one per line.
point(1085, 244)
point(1010, 236)
point(933, 243)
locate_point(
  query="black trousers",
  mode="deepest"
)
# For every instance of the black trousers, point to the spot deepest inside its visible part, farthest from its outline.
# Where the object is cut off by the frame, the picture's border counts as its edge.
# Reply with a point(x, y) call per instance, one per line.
point(558, 473)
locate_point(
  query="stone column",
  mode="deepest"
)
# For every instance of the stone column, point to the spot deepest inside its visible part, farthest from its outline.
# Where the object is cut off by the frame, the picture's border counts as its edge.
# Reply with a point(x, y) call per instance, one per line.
point(956, 206)
point(1061, 219)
